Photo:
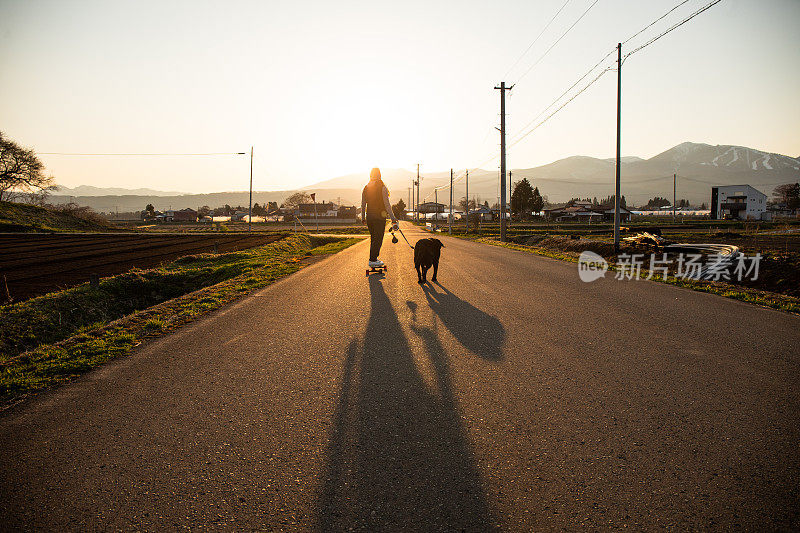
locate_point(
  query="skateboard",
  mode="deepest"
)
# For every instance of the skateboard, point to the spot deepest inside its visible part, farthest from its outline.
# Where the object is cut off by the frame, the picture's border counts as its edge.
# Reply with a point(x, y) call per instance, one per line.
point(376, 269)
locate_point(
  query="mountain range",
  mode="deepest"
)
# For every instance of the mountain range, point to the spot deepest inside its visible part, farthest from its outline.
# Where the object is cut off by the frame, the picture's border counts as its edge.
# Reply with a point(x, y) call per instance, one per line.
point(89, 190)
point(698, 167)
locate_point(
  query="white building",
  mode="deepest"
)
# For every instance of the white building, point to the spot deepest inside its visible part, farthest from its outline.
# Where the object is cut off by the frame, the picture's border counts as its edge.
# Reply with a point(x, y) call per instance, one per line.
point(741, 202)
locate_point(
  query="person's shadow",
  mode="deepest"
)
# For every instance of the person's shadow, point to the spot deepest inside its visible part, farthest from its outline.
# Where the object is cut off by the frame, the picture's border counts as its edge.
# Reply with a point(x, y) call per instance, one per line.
point(479, 332)
point(398, 457)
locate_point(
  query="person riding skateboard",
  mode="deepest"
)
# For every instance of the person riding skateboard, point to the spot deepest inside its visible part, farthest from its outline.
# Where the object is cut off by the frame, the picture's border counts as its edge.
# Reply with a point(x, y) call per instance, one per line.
point(375, 208)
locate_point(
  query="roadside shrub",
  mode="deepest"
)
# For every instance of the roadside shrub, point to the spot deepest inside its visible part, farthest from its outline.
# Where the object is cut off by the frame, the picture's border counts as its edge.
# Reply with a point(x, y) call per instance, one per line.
point(79, 211)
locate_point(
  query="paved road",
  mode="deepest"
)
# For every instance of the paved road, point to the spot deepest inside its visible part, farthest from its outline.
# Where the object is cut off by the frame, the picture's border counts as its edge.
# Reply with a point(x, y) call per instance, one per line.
point(510, 396)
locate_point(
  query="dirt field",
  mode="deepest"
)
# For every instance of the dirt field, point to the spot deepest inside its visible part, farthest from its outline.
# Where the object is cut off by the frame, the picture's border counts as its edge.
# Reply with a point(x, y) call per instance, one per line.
point(34, 264)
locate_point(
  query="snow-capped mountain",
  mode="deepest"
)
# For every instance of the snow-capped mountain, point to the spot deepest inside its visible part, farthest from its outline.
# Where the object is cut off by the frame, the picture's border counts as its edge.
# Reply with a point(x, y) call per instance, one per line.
point(698, 167)
point(727, 156)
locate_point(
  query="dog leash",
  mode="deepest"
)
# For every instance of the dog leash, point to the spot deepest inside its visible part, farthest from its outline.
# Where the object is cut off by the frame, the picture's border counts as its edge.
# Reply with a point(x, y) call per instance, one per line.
point(404, 237)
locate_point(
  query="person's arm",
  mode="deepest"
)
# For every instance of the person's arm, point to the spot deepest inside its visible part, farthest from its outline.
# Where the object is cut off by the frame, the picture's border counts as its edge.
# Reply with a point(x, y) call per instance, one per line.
point(364, 205)
point(388, 206)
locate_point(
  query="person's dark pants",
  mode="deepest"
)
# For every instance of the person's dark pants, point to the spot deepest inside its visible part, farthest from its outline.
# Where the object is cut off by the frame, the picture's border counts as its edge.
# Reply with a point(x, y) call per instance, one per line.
point(377, 228)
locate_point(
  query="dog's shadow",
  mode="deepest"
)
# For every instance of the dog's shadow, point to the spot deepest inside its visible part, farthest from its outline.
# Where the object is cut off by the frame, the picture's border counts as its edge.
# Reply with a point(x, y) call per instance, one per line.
point(478, 331)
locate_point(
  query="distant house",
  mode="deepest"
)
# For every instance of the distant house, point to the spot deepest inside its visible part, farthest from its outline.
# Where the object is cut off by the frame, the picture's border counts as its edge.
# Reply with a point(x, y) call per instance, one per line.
point(431, 207)
point(496, 214)
point(182, 215)
point(780, 210)
point(741, 202)
point(608, 213)
point(585, 212)
point(348, 212)
point(321, 210)
point(185, 215)
point(572, 213)
point(483, 212)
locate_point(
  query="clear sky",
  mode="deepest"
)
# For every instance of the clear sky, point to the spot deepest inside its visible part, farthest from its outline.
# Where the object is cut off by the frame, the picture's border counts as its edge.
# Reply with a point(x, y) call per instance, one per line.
point(324, 88)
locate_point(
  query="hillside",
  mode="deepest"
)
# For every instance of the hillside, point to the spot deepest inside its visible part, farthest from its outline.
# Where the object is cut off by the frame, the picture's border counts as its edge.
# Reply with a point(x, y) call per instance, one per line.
point(137, 202)
point(89, 190)
point(30, 218)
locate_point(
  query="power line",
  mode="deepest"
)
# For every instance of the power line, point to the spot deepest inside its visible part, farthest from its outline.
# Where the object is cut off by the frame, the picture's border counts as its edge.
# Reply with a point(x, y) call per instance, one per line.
point(651, 41)
point(607, 69)
point(673, 27)
point(654, 22)
point(606, 57)
point(537, 38)
point(562, 106)
point(565, 92)
point(146, 155)
point(555, 43)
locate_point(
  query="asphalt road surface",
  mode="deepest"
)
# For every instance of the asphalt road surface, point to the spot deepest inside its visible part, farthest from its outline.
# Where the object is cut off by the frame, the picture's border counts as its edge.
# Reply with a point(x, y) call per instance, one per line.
point(509, 396)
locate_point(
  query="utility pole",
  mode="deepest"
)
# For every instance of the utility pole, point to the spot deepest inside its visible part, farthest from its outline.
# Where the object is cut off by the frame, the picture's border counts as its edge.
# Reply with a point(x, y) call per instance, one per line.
point(250, 209)
point(450, 217)
point(617, 198)
point(510, 193)
point(409, 197)
point(674, 194)
point(436, 207)
point(503, 90)
point(466, 198)
point(411, 205)
point(416, 210)
point(316, 220)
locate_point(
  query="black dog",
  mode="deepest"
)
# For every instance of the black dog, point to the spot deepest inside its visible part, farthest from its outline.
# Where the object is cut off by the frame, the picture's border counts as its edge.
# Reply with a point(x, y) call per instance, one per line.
point(426, 254)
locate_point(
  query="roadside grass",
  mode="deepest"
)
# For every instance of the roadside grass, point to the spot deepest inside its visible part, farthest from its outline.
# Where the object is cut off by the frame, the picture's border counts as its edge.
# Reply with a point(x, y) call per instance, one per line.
point(21, 218)
point(772, 300)
point(54, 338)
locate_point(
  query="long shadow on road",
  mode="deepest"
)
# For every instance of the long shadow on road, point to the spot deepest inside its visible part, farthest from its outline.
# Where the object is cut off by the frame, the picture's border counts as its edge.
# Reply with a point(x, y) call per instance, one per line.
point(478, 331)
point(398, 457)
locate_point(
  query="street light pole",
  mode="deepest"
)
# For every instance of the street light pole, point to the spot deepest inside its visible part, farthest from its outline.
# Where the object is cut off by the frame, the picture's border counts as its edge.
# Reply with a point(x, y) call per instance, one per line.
point(417, 208)
point(436, 210)
point(450, 216)
point(674, 194)
point(617, 199)
point(466, 197)
point(250, 209)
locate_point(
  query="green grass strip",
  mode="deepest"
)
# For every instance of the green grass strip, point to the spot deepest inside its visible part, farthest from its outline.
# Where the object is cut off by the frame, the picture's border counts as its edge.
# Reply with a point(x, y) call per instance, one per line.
point(100, 324)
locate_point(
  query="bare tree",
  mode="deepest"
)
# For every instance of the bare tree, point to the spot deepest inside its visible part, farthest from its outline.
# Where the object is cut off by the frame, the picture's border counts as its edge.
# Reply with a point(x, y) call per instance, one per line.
point(296, 199)
point(21, 172)
point(788, 194)
point(463, 204)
